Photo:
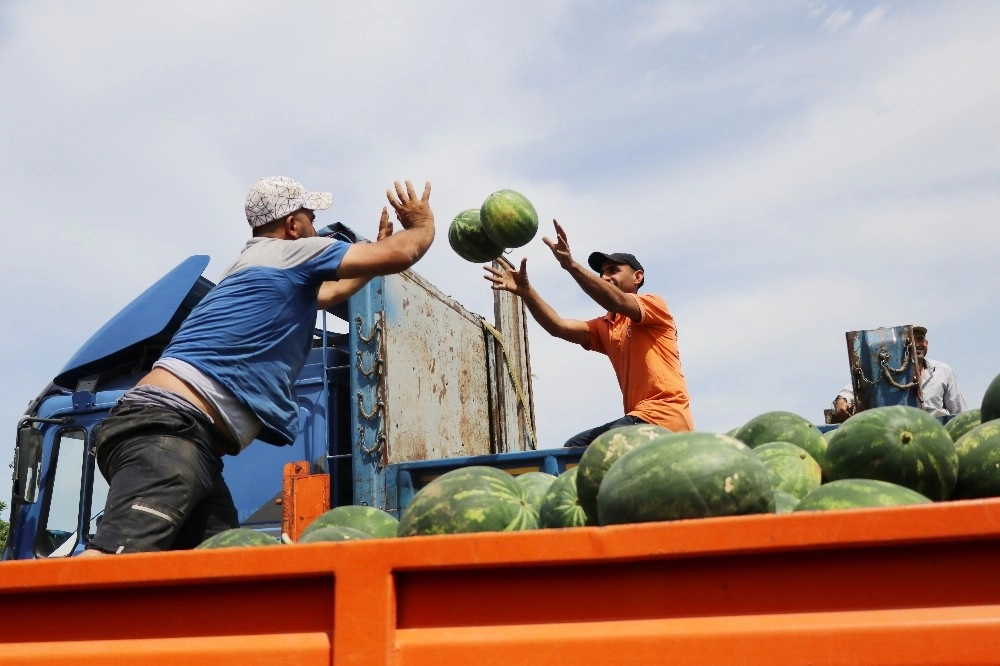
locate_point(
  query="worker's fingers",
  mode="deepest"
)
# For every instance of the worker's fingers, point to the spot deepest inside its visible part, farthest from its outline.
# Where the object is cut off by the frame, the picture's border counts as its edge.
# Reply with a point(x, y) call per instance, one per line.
point(502, 260)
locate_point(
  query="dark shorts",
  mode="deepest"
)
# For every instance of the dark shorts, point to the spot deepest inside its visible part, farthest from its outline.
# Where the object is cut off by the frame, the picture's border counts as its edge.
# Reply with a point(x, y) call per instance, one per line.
point(587, 436)
point(164, 471)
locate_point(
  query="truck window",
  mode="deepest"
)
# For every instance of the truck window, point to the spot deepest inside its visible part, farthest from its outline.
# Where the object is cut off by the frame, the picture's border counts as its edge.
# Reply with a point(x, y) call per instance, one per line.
point(71, 467)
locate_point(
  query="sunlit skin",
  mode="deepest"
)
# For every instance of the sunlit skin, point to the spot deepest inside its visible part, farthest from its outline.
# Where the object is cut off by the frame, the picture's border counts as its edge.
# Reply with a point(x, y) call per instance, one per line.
point(614, 289)
point(920, 346)
point(622, 276)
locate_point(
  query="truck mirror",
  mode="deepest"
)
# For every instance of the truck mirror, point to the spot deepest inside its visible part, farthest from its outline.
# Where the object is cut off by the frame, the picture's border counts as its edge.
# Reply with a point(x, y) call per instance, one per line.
point(27, 463)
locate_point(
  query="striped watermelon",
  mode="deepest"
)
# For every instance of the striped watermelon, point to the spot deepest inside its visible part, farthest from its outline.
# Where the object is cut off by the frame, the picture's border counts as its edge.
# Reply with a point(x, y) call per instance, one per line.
point(990, 408)
point(368, 519)
point(534, 485)
point(962, 423)
point(858, 494)
point(599, 456)
point(978, 462)
point(238, 537)
point(791, 468)
point(784, 502)
point(334, 533)
point(508, 218)
point(468, 499)
point(467, 238)
point(684, 475)
point(779, 426)
point(899, 444)
point(560, 507)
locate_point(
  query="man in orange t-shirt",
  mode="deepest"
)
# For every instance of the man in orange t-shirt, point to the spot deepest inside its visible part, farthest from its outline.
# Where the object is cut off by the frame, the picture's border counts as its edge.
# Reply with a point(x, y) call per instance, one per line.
point(637, 334)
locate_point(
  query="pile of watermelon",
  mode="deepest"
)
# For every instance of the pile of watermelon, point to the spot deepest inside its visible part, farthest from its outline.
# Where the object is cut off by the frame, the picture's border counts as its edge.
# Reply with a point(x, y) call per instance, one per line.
point(777, 462)
point(505, 220)
point(342, 523)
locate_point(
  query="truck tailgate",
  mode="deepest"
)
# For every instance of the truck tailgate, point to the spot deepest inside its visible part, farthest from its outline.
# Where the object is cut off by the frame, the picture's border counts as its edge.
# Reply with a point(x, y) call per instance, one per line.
point(908, 585)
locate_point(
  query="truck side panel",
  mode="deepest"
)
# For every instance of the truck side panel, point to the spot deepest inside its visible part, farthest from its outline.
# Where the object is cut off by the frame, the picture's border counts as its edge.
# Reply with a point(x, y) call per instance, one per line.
point(906, 585)
point(436, 376)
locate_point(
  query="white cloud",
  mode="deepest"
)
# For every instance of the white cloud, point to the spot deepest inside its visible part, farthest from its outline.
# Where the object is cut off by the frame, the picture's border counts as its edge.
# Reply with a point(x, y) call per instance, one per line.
point(826, 184)
point(872, 17)
point(667, 18)
point(837, 19)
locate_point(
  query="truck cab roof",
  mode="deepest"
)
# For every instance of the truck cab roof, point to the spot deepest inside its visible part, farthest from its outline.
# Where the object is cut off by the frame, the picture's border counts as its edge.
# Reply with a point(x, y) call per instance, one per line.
point(140, 331)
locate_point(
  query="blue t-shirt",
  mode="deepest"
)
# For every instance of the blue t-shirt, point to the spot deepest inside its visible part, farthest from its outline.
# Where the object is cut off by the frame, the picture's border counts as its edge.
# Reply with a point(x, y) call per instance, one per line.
point(253, 331)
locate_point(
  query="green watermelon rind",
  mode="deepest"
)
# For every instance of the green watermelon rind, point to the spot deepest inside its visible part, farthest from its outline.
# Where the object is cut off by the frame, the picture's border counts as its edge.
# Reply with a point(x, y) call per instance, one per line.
point(684, 476)
point(896, 443)
point(601, 453)
point(561, 507)
point(978, 453)
point(468, 240)
point(476, 498)
point(509, 219)
point(238, 537)
point(963, 423)
point(368, 519)
point(535, 485)
point(784, 501)
point(334, 533)
point(782, 426)
point(990, 407)
point(844, 494)
point(791, 467)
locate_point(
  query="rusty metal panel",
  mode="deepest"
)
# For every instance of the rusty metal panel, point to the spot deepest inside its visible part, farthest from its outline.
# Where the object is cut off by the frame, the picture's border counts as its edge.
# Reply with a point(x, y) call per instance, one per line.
point(883, 367)
point(436, 380)
point(515, 413)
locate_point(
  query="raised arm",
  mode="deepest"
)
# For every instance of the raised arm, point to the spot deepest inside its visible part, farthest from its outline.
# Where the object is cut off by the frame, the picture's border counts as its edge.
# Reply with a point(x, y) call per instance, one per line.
point(604, 294)
point(401, 250)
point(337, 291)
point(516, 282)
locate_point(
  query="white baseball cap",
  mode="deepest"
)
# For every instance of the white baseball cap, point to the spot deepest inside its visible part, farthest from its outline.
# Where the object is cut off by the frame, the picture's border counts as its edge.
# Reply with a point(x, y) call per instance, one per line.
point(278, 196)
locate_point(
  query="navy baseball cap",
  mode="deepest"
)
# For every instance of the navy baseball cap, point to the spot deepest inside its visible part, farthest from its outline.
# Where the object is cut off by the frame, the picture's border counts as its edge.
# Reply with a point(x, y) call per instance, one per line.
point(597, 259)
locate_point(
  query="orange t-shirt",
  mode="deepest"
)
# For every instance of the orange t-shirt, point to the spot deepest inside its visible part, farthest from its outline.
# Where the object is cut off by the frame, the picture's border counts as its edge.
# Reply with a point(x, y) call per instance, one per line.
point(646, 362)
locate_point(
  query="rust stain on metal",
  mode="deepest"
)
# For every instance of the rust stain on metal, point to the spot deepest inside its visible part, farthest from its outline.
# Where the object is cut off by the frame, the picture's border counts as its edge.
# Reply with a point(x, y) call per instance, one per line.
point(444, 389)
point(434, 342)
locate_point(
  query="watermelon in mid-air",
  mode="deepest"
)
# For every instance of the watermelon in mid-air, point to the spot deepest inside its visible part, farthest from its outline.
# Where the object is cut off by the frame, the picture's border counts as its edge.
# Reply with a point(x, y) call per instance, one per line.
point(467, 238)
point(508, 218)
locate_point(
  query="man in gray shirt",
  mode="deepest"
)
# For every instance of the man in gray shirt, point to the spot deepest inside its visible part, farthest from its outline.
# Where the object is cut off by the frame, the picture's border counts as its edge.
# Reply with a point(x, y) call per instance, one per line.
point(938, 385)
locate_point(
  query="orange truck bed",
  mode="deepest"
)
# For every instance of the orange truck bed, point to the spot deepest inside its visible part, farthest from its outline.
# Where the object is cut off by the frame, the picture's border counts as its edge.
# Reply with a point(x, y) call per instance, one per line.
point(907, 586)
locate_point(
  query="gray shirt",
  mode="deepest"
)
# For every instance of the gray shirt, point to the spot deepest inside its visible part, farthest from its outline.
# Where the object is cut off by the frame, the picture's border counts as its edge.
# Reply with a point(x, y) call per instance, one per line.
point(938, 389)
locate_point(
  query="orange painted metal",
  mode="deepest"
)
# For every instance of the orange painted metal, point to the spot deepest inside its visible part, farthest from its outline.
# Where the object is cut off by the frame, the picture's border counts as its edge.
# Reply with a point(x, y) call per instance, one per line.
point(304, 497)
point(910, 585)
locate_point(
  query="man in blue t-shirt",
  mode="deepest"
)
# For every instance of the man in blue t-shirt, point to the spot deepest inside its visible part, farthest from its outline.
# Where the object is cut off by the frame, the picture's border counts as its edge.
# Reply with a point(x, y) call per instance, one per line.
point(227, 376)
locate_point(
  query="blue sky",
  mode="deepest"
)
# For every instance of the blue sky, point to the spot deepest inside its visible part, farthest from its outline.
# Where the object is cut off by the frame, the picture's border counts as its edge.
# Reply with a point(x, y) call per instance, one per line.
point(787, 171)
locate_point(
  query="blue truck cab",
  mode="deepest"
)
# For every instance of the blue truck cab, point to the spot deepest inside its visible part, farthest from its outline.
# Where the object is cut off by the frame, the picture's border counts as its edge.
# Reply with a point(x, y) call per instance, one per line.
point(402, 384)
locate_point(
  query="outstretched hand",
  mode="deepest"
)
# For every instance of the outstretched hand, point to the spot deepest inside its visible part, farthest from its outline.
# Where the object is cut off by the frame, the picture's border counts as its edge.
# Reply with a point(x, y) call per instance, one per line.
point(384, 225)
point(560, 247)
point(411, 211)
point(509, 279)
